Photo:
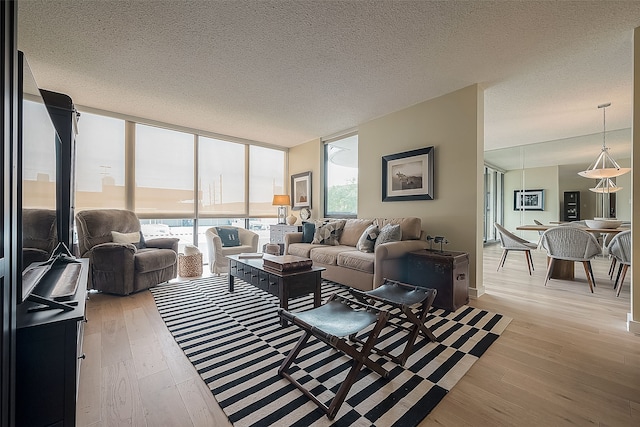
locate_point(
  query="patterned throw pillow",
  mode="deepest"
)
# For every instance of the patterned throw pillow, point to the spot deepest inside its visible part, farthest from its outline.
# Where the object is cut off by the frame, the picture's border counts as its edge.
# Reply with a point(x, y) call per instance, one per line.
point(389, 233)
point(229, 236)
point(328, 233)
point(367, 241)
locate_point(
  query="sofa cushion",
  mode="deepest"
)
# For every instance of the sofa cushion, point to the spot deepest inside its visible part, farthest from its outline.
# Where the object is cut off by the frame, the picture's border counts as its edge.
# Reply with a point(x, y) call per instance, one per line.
point(328, 254)
point(154, 259)
point(411, 226)
point(368, 239)
point(353, 229)
point(300, 249)
point(328, 233)
point(229, 236)
point(356, 260)
point(389, 233)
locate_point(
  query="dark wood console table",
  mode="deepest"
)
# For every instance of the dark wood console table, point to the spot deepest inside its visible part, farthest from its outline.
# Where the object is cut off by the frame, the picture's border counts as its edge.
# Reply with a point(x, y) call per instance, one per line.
point(283, 285)
point(446, 271)
point(48, 357)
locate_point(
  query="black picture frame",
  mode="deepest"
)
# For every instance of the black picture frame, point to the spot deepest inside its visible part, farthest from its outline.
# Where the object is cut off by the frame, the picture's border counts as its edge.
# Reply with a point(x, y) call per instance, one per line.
point(301, 191)
point(408, 175)
point(528, 200)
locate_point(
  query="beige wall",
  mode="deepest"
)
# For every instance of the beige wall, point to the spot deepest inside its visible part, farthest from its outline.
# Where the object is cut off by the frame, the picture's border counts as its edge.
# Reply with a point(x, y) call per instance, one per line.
point(634, 315)
point(453, 124)
point(532, 179)
point(303, 158)
point(624, 196)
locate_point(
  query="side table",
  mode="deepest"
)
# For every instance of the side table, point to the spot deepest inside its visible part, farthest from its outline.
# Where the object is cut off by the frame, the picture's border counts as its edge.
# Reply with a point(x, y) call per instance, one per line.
point(446, 271)
point(277, 232)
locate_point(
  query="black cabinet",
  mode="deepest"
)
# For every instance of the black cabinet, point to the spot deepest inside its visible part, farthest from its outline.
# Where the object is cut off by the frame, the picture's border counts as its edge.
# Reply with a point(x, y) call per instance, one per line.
point(571, 206)
point(48, 356)
point(447, 272)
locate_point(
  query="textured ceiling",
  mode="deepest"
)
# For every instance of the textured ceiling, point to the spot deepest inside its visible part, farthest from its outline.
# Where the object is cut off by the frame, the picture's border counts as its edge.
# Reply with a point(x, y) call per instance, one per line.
point(286, 72)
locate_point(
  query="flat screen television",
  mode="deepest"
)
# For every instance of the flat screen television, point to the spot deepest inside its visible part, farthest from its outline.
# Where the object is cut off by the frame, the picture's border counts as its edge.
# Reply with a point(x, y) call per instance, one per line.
point(37, 167)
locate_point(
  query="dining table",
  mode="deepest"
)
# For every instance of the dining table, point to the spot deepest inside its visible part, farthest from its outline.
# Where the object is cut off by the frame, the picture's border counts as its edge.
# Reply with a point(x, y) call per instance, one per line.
point(564, 269)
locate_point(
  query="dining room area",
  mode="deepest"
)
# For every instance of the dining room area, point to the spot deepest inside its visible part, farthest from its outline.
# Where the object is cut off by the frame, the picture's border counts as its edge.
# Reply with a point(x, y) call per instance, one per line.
point(552, 195)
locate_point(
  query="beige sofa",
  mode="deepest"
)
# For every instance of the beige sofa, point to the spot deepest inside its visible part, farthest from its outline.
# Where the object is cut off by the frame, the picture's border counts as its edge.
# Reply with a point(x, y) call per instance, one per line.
point(363, 270)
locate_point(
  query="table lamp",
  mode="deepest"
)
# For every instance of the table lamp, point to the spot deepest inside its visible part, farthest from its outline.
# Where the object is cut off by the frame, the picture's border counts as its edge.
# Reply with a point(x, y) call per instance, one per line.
point(281, 200)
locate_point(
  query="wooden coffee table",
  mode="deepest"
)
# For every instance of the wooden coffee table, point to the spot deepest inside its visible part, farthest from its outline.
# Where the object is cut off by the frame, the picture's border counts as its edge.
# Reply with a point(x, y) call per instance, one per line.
point(283, 285)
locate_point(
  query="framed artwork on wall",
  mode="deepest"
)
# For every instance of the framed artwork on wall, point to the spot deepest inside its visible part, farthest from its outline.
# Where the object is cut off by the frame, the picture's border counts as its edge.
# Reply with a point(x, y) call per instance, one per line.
point(408, 175)
point(528, 200)
point(301, 191)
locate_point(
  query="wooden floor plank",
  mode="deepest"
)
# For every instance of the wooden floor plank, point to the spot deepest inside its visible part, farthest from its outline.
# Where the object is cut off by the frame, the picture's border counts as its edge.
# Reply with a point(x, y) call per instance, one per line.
point(162, 402)
point(121, 400)
point(203, 409)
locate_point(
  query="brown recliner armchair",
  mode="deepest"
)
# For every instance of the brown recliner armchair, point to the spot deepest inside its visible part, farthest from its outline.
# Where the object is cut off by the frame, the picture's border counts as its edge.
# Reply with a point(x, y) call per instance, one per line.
point(39, 235)
point(123, 268)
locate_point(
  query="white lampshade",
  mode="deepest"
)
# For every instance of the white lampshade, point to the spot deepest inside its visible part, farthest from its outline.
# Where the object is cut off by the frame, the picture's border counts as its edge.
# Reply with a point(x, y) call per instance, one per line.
point(604, 167)
point(605, 186)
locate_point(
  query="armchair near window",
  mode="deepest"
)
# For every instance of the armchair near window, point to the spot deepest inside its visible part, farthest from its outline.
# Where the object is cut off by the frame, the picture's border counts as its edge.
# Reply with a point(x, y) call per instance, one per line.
point(39, 236)
point(123, 268)
point(247, 241)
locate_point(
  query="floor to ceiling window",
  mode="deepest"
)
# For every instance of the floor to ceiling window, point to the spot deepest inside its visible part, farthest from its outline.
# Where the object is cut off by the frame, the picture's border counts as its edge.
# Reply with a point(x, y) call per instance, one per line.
point(341, 176)
point(178, 183)
point(100, 162)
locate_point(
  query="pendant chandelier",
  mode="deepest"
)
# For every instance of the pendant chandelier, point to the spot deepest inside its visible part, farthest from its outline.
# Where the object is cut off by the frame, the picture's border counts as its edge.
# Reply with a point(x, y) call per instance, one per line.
point(605, 185)
point(605, 166)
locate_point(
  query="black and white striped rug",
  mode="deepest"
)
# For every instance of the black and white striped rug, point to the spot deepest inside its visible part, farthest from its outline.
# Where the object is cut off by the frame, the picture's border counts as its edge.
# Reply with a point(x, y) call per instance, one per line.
point(236, 343)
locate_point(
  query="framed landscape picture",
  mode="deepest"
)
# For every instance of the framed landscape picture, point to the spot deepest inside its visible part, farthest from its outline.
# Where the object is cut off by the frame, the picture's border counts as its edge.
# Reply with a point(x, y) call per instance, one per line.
point(528, 200)
point(408, 175)
point(301, 190)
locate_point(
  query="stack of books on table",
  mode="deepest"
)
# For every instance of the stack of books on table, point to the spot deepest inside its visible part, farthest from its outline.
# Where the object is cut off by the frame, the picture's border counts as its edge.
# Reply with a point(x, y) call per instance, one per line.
point(287, 263)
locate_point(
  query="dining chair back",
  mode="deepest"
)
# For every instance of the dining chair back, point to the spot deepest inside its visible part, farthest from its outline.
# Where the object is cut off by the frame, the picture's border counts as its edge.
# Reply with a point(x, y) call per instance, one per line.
point(620, 250)
point(511, 242)
point(570, 244)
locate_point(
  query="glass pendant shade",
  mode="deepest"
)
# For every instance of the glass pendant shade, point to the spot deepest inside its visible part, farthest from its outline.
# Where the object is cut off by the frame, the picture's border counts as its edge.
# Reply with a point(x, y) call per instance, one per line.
point(605, 186)
point(604, 166)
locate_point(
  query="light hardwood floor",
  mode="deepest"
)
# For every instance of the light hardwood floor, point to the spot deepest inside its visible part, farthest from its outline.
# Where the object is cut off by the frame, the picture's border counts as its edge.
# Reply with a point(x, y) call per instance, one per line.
point(565, 359)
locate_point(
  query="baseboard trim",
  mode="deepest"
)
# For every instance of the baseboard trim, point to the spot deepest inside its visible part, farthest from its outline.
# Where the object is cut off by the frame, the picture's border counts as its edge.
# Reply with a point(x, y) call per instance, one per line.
point(632, 325)
point(476, 292)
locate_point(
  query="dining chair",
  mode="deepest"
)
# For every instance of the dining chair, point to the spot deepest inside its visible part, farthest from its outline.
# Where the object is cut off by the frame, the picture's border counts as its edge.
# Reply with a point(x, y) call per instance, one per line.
point(606, 243)
point(539, 232)
point(570, 244)
point(511, 242)
point(620, 250)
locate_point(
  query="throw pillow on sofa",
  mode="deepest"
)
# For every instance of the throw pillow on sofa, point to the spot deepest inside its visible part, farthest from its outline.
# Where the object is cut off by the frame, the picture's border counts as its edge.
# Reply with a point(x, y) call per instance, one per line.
point(308, 230)
point(366, 242)
point(389, 233)
point(328, 233)
point(229, 236)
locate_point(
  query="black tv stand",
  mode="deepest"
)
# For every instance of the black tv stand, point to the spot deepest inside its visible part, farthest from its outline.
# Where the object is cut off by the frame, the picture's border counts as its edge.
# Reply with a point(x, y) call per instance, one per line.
point(49, 353)
point(49, 304)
